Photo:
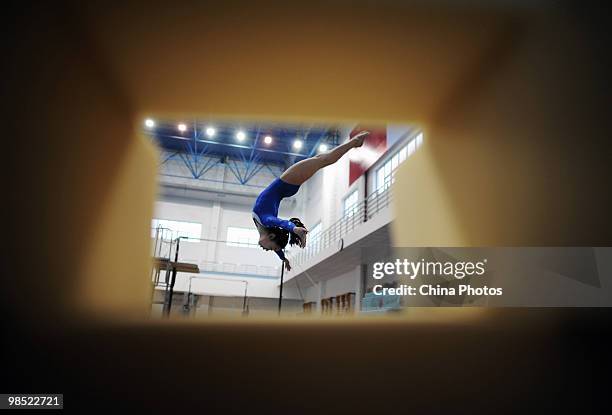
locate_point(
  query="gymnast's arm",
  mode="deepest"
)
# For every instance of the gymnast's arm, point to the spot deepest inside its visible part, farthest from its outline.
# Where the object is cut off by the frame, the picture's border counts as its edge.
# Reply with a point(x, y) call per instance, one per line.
point(281, 255)
point(270, 221)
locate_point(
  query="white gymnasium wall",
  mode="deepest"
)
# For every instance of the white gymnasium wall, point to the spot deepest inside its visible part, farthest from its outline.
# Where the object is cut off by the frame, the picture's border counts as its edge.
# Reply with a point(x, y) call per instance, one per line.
point(321, 198)
point(215, 218)
point(240, 216)
point(343, 283)
point(348, 282)
point(199, 213)
point(310, 199)
point(311, 293)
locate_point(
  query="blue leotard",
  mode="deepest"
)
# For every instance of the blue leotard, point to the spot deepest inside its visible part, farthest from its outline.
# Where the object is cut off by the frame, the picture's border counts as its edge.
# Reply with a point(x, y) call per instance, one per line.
point(265, 210)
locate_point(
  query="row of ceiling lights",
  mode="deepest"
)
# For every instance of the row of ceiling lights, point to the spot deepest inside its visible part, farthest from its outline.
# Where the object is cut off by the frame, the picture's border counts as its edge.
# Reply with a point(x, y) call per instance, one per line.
point(240, 135)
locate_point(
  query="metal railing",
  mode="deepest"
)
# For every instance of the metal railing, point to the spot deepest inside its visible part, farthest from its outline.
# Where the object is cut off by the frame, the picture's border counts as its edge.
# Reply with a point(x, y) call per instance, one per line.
point(163, 248)
point(360, 213)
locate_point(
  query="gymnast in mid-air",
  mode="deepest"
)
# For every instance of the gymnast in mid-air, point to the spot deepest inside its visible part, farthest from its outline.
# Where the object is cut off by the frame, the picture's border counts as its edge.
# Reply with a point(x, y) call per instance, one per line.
point(275, 233)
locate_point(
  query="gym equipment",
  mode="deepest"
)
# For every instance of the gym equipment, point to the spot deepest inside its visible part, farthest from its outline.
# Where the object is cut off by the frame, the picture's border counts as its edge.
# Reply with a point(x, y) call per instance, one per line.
point(166, 256)
point(280, 295)
point(174, 267)
point(190, 294)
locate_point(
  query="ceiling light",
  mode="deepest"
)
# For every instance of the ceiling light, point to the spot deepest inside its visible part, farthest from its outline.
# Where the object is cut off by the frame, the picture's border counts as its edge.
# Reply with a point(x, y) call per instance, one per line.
point(323, 148)
point(210, 132)
point(268, 139)
point(149, 123)
point(297, 144)
point(240, 135)
point(182, 128)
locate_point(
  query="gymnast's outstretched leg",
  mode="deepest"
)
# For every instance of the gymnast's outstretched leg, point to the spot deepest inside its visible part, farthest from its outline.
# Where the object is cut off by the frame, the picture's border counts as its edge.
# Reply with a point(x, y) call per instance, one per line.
point(303, 170)
point(275, 233)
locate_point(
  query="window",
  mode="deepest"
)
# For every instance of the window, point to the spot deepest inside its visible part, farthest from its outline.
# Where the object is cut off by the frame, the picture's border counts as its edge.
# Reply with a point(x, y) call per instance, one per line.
point(419, 140)
point(411, 147)
point(177, 228)
point(394, 161)
point(387, 168)
point(385, 175)
point(380, 178)
point(402, 154)
point(243, 237)
point(350, 203)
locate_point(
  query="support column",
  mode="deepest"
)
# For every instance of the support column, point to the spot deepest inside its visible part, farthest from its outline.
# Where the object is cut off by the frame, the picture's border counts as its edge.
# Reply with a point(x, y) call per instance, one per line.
point(213, 232)
point(321, 285)
point(361, 284)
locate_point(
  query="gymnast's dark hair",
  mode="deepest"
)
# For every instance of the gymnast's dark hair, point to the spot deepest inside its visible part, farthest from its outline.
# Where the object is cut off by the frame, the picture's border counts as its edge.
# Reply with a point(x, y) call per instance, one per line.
point(281, 236)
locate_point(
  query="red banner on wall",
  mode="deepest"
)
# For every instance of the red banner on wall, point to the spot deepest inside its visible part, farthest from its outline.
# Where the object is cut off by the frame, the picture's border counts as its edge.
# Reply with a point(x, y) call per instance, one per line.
point(373, 147)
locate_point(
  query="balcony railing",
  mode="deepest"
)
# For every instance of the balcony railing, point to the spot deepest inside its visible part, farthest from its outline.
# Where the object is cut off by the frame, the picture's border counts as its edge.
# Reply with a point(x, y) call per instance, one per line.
point(362, 212)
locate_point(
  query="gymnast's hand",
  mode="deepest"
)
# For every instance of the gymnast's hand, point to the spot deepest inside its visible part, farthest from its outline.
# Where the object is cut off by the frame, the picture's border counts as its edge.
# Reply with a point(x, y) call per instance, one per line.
point(301, 233)
point(287, 265)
